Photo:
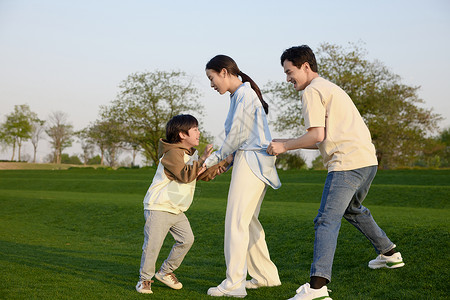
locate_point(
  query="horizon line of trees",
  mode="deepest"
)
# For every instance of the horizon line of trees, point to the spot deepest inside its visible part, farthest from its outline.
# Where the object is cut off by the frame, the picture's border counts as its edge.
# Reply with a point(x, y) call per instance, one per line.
point(404, 133)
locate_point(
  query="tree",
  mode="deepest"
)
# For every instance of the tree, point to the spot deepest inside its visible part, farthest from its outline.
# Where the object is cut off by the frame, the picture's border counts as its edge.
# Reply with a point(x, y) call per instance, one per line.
point(36, 134)
point(436, 152)
point(146, 102)
point(87, 145)
point(71, 160)
point(289, 161)
point(390, 108)
point(18, 127)
point(60, 133)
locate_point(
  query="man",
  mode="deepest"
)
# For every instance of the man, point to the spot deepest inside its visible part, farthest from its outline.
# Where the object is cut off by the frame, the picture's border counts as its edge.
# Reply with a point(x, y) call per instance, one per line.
point(336, 128)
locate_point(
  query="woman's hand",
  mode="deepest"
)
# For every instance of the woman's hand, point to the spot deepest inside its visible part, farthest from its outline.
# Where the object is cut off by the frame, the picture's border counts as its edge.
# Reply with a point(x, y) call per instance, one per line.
point(207, 152)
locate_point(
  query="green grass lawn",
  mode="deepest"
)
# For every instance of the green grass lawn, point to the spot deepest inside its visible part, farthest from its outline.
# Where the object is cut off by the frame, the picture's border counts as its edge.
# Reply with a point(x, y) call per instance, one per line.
point(77, 234)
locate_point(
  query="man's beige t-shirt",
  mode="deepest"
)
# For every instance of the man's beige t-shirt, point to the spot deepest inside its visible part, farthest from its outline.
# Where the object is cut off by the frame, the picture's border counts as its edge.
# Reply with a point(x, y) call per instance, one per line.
point(347, 144)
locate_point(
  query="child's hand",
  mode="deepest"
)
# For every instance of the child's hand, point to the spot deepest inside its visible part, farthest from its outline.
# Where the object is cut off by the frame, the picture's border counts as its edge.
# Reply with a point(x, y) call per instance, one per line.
point(201, 169)
point(207, 152)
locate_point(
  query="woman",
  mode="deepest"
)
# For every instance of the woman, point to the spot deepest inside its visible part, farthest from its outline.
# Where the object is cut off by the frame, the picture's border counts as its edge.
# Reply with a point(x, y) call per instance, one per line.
point(247, 137)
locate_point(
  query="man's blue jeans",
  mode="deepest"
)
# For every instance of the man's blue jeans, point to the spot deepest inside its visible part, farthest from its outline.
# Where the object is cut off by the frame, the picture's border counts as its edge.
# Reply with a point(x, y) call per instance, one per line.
point(343, 194)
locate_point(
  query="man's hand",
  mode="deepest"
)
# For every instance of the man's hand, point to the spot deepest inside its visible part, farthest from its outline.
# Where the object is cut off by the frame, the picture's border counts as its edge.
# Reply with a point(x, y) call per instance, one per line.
point(276, 148)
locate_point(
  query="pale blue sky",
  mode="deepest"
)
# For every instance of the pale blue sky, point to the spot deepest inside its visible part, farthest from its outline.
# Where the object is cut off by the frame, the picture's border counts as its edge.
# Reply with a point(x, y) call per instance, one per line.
point(71, 55)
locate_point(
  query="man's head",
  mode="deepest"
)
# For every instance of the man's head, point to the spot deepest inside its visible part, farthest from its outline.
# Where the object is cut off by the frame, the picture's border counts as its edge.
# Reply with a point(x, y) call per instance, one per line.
point(182, 127)
point(300, 66)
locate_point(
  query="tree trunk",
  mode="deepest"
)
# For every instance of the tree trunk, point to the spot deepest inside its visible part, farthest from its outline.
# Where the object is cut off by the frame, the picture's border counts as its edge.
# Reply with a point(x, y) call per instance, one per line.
point(14, 150)
point(19, 145)
point(34, 155)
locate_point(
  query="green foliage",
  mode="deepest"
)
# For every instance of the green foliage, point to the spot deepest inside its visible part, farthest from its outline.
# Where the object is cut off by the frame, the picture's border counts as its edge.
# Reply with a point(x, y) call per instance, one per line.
point(72, 160)
point(83, 228)
point(286, 102)
point(290, 161)
point(317, 163)
point(60, 133)
point(96, 160)
point(436, 152)
point(18, 127)
point(146, 102)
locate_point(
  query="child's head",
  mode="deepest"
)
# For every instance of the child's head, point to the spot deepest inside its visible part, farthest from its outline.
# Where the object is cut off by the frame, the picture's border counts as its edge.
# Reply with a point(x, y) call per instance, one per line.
point(179, 124)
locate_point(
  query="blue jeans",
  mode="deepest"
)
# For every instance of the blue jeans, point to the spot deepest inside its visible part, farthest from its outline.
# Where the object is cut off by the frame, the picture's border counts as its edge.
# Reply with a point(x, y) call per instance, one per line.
point(343, 194)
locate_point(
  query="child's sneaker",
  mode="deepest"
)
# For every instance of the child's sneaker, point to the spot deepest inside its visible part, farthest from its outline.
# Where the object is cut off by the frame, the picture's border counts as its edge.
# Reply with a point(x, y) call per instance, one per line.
point(305, 292)
point(390, 262)
point(169, 279)
point(144, 286)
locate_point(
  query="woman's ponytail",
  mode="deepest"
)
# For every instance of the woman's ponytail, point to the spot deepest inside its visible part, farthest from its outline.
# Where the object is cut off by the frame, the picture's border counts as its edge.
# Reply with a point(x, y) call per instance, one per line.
point(246, 78)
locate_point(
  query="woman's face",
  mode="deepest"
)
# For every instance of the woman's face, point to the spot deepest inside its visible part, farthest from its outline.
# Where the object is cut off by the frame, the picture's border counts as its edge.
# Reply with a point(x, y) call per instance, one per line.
point(218, 80)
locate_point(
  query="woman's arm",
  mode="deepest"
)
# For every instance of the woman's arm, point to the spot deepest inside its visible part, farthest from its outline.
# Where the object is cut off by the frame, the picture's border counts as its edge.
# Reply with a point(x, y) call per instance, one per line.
point(242, 122)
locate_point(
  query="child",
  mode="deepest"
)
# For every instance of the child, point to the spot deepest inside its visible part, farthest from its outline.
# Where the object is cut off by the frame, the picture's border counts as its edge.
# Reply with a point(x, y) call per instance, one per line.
point(167, 198)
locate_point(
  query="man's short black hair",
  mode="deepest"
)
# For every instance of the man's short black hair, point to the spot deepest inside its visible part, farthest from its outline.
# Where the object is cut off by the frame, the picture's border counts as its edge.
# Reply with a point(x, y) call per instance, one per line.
point(298, 55)
point(179, 123)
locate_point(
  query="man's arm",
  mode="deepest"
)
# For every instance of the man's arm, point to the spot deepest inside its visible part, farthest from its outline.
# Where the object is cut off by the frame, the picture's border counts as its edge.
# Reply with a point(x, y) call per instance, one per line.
point(309, 140)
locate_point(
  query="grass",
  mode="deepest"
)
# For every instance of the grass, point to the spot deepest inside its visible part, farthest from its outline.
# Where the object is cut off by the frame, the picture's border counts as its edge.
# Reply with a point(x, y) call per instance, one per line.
point(77, 234)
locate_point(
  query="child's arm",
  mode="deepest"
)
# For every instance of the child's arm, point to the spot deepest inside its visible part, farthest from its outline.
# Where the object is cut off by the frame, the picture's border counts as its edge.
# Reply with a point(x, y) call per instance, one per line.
point(176, 169)
point(217, 169)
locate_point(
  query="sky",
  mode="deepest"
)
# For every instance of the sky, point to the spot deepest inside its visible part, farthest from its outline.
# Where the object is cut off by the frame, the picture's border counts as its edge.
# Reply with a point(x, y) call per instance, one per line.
point(70, 56)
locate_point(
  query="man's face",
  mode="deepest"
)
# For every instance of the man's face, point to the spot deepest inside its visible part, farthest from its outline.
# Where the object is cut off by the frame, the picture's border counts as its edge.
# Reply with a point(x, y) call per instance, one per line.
point(296, 76)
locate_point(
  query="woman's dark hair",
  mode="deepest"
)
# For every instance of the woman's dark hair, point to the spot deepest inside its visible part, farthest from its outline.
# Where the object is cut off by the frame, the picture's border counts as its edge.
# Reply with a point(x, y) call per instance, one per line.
point(219, 62)
point(180, 123)
point(299, 55)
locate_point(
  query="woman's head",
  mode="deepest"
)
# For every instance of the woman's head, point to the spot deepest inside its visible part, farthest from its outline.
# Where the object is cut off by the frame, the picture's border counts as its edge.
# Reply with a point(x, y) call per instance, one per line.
point(219, 62)
point(221, 67)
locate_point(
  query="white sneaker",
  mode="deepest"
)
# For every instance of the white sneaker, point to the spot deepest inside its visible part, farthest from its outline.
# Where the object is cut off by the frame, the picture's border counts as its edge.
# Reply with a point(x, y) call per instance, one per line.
point(305, 292)
point(390, 262)
point(144, 286)
point(215, 292)
point(169, 279)
point(253, 284)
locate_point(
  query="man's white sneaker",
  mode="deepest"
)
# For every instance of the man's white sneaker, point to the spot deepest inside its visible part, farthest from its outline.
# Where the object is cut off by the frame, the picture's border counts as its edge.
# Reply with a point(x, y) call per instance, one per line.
point(305, 292)
point(390, 262)
point(144, 287)
point(216, 292)
point(169, 279)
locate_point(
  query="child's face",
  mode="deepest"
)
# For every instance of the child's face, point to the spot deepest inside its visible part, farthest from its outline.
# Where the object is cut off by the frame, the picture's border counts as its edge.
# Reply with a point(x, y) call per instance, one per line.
point(193, 139)
point(218, 81)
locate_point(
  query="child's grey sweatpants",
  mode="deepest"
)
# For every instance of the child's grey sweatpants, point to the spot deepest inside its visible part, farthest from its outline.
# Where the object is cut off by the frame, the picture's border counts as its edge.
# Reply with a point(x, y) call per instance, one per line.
point(157, 224)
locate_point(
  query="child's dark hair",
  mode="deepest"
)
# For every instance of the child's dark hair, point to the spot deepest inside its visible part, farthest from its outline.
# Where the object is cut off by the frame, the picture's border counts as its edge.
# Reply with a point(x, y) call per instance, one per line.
point(219, 62)
point(298, 55)
point(180, 123)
